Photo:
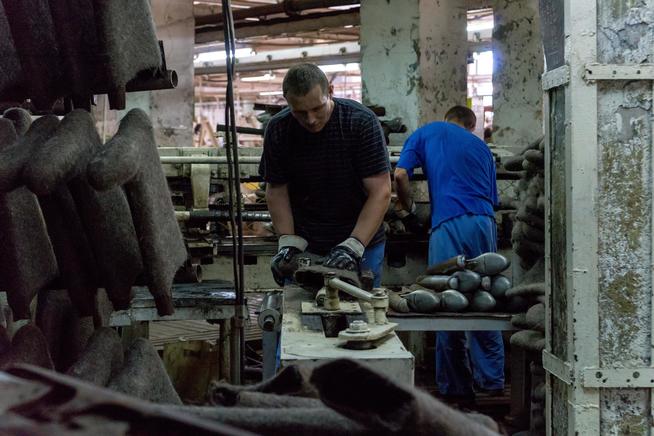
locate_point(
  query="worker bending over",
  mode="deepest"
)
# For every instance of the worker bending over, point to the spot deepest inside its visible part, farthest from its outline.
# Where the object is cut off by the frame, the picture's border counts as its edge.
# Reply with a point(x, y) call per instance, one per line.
point(328, 176)
point(460, 174)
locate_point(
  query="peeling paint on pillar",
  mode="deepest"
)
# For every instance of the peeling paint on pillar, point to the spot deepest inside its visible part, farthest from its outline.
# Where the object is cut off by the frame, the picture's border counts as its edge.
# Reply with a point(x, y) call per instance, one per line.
point(413, 58)
point(443, 52)
point(625, 35)
point(388, 59)
point(517, 67)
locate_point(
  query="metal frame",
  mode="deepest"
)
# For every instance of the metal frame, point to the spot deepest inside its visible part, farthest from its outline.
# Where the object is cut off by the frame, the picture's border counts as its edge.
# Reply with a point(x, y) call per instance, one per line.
point(556, 77)
point(642, 377)
point(443, 324)
point(595, 71)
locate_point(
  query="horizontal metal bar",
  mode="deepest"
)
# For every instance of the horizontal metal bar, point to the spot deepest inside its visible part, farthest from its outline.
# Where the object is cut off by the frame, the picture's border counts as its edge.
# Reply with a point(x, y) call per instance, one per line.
point(640, 377)
point(557, 77)
point(618, 72)
point(169, 160)
point(444, 324)
point(131, 315)
point(350, 289)
point(558, 367)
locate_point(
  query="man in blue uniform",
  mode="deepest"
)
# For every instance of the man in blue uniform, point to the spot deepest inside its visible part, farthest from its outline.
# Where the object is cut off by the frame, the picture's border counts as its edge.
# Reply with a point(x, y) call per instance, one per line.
point(328, 177)
point(462, 190)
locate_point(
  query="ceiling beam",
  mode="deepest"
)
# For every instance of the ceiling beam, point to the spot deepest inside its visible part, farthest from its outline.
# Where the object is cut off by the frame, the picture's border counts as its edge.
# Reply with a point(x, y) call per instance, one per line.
point(290, 26)
point(345, 58)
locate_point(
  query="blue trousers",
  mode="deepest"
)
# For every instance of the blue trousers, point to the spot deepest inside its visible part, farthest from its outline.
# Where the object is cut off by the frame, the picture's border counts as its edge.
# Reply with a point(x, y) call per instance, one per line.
point(483, 358)
point(373, 260)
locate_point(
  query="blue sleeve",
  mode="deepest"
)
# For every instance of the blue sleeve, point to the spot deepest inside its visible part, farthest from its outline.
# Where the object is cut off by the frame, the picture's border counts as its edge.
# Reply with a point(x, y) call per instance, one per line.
point(412, 155)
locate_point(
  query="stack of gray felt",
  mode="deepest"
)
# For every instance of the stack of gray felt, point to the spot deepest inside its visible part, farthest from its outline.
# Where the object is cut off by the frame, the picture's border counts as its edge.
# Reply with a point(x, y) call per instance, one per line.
point(28, 262)
point(65, 331)
point(28, 346)
point(528, 234)
point(20, 117)
point(144, 376)
point(10, 72)
point(128, 41)
point(33, 32)
point(74, 24)
point(101, 360)
point(130, 159)
point(354, 399)
point(105, 216)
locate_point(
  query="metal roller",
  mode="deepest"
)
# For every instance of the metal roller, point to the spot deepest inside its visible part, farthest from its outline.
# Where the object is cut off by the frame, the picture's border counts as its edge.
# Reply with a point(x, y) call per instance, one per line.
point(270, 314)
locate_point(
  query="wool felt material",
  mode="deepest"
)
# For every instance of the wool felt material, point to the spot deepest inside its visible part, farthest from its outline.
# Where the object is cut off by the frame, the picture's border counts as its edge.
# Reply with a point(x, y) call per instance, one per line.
point(519, 320)
point(482, 301)
point(65, 331)
point(291, 380)
point(20, 117)
point(513, 163)
point(10, 71)
point(536, 157)
point(397, 303)
point(33, 32)
point(536, 317)
point(423, 301)
point(315, 421)
point(128, 42)
point(105, 216)
point(131, 159)
point(27, 346)
point(144, 375)
point(527, 290)
point(74, 23)
point(28, 261)
point(102, 358)
point(380, 404)
point(530, 340)
point(272, 401)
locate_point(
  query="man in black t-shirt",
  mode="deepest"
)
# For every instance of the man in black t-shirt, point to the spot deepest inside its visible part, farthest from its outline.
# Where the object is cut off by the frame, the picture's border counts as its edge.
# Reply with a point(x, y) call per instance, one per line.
point(328, 176)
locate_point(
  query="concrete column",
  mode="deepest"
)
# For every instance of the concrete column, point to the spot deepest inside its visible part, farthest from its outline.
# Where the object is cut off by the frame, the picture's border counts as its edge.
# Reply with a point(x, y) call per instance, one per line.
point(413, 58)
point(172, 110)
point(517, 67)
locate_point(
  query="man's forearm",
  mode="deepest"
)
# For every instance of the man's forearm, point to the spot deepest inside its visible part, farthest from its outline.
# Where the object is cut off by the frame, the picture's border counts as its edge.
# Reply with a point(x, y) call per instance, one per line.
point(279, 206)
point(403, 189)
point(371, 216)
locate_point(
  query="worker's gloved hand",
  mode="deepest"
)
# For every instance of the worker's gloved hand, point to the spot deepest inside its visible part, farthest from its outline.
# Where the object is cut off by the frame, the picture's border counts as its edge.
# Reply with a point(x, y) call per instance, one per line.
point(410, 220)
point(282, 262)
point(346, 255)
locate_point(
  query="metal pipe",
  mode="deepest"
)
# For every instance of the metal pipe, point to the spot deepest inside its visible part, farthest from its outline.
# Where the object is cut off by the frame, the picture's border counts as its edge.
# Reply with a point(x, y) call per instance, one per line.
point(219, 215)
point(169, 160)
point(245, 130)
point(287, 7)
point(351, 289)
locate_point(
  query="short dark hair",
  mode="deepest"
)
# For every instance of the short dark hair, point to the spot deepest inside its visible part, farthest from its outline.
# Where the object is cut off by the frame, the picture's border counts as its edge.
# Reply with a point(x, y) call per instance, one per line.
point(302, 78)
point(463, 115)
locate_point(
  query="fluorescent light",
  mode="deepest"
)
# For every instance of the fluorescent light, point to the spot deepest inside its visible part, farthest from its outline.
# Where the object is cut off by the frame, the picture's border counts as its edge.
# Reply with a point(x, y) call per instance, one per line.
point(271, 93)
point(477, 26)
point(344, 7)
point(213, 56)
point(339, 68)
point(266, 76)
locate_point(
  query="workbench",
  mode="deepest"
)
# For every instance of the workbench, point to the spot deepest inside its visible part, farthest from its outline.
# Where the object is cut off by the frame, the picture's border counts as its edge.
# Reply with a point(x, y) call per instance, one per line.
point(304, 343)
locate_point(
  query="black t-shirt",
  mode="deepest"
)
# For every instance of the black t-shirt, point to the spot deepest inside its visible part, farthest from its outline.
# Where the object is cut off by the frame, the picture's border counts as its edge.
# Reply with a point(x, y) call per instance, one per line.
point(324, 170)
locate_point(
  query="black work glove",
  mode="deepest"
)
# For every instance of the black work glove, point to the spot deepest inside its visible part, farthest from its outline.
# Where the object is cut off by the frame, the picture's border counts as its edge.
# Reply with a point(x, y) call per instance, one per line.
point(346, 255)
point(281, 264)
point(411, 221)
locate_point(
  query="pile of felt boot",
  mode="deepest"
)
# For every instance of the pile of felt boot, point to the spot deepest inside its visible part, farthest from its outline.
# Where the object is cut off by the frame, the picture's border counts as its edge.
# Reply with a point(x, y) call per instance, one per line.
point(87, 215)
point(59, 339)
point(53, 49)
point(457, 285)
point(528, 238)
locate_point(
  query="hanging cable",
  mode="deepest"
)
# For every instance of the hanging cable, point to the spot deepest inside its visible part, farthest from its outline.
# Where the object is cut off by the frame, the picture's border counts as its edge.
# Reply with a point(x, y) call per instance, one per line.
point(234, 188)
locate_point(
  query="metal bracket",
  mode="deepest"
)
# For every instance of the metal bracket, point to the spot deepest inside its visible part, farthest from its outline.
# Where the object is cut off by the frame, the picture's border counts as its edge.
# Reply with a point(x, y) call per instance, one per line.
point(594, 72)
point(642, 377)
point(558, 368)
point(557, 77)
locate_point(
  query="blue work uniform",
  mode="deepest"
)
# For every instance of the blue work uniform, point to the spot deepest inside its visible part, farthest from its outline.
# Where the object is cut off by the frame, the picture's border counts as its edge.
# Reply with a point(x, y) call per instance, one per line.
point(460, 174)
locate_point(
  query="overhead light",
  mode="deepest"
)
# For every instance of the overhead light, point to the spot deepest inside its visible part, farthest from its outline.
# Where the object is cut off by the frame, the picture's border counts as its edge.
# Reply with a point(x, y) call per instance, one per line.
point(349, 26)
point(213, 56)
point(271, 93)
point(339, 68)
point(265, 77)
point(251, 19)
point(343, 7)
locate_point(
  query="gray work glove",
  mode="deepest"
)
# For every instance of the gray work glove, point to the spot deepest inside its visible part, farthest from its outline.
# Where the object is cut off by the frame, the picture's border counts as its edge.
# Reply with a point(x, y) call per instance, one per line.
point(281, 263)
point(346, 255)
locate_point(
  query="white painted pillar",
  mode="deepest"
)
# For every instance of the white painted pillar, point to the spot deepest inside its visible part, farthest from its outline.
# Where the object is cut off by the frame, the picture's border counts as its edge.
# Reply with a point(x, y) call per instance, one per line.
point(413, 58)
point(517, 67)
